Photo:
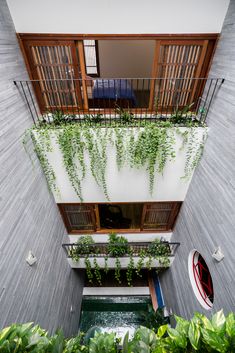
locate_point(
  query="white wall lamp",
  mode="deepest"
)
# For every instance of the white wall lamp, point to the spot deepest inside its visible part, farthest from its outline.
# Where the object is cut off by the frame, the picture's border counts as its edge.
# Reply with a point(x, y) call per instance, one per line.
point(217, 254)
point(31, 258)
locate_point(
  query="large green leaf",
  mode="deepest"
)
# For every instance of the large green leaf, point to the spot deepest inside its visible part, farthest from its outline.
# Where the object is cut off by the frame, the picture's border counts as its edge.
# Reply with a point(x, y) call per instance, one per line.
point(194, 335)
point(5, 333)
point(230, 325)
point(182, 325)
point(125, 344)
point(218, 321)
point(161, 331)
point(179, 339)
point(214, 341)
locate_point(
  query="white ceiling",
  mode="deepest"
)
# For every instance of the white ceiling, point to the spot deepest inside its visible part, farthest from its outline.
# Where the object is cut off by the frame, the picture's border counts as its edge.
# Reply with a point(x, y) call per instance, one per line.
point(118, 16)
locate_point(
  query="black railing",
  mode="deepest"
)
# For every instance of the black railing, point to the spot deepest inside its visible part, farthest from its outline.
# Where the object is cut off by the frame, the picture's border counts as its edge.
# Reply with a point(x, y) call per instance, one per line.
point(136, 249)
point(107, 99)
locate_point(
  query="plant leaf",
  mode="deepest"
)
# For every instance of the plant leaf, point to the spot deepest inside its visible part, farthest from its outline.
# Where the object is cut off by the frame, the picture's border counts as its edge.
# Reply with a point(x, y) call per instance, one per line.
point(194, 335)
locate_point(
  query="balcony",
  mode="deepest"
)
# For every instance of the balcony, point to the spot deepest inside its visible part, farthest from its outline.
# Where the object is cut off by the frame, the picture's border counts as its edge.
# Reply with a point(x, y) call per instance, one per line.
point(144, 255)
point(106, 100)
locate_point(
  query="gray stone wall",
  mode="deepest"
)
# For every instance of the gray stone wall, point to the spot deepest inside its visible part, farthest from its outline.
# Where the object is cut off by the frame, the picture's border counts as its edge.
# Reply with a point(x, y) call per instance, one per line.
point(207, 218)
point(48, 293)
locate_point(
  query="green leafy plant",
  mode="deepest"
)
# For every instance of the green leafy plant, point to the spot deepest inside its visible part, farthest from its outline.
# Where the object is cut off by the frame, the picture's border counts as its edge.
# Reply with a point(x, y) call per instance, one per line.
point(200, 334)
point(118, 245)
point(125, 116)
point(160, 251)
point(154, 319)
point(75, 344)
point(84, 246)
point(58, 118)
point(103, 343)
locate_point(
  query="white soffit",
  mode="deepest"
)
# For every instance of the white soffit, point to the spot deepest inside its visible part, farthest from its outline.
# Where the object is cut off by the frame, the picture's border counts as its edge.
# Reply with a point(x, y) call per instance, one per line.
point(112, 16)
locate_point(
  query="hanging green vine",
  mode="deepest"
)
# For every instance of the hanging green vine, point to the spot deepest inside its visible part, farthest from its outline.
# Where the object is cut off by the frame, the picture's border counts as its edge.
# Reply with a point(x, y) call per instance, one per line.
point(106, 268)
point(72, 149)
point(42, 146)
point(130, 269)
point(117, 273)
point(89, 270)
point(97, 272)
point(195, 145)
point(140, 263)
point(148, 145)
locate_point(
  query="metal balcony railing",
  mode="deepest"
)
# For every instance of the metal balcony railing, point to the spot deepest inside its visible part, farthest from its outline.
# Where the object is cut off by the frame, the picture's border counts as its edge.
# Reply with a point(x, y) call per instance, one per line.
point(105, 100)
point(135, 249)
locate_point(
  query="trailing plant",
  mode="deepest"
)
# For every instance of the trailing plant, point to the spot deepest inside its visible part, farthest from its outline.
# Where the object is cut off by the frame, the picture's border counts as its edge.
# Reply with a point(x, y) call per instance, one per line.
point(139, 144)
point(42, 146)
point(130, 269)
point(89, 270)
point(117, 272)
point(152, 149)
point(140, 263)
point(96, 143)
point(97, 272)
point(195, 146)
point(149, 263)
point(118, 245)
point(72, 149)
point(106, 268)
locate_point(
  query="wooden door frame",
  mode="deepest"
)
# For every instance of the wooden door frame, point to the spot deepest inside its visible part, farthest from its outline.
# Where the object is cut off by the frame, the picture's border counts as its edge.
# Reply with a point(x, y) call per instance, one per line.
point(65, 218)
point(211, 38)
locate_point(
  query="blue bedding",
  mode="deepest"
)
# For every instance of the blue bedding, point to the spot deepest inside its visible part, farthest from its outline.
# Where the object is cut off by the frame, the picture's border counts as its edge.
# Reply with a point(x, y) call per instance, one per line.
point(114, 89)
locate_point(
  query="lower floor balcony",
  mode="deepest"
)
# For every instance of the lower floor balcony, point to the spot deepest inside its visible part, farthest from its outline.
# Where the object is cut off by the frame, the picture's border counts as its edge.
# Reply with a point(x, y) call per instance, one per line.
point(120, 255)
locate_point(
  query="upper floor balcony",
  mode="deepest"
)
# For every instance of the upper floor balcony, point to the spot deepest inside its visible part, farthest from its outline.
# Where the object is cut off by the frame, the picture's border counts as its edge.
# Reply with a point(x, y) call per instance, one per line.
point(103, 101)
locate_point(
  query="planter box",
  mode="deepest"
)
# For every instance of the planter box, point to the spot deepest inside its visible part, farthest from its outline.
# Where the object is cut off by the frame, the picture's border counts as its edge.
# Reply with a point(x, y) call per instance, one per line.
point(111, 262)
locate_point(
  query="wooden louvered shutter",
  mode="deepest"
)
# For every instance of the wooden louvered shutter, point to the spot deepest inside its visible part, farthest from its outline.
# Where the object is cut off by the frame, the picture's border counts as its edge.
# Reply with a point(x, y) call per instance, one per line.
point(177, 63)
point(56, 65)
point(159, 215)
point(79, 218)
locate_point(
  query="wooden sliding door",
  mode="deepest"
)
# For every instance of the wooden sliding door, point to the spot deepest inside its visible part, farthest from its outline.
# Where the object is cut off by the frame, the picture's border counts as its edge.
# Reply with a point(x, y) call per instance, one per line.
point(159, 216)
point(177, 63)
point(57, 67)
point(89, 218)
point(78, 217)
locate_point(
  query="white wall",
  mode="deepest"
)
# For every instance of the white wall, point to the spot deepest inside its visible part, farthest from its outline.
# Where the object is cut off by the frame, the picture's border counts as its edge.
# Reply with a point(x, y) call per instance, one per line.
point(127, 185)
point(118, 16)
point(126, 58)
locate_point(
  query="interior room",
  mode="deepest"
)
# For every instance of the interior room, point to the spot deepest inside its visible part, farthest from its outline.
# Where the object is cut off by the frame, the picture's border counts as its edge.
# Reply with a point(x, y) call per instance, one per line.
point(122, 69)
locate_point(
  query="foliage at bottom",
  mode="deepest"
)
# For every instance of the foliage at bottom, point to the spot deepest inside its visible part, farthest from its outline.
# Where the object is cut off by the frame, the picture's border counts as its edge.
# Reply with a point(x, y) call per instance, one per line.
point(200, 334)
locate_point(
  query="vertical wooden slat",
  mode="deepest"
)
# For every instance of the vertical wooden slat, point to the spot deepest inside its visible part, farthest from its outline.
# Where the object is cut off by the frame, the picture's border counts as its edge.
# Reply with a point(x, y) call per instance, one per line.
point(97, 216)
point(199, 68)
point(154, 74)
point(83, 72)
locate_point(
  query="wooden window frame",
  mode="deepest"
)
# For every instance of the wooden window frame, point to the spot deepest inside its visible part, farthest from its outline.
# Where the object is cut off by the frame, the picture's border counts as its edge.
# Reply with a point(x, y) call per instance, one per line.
point(97, 58)
point(98, 230)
